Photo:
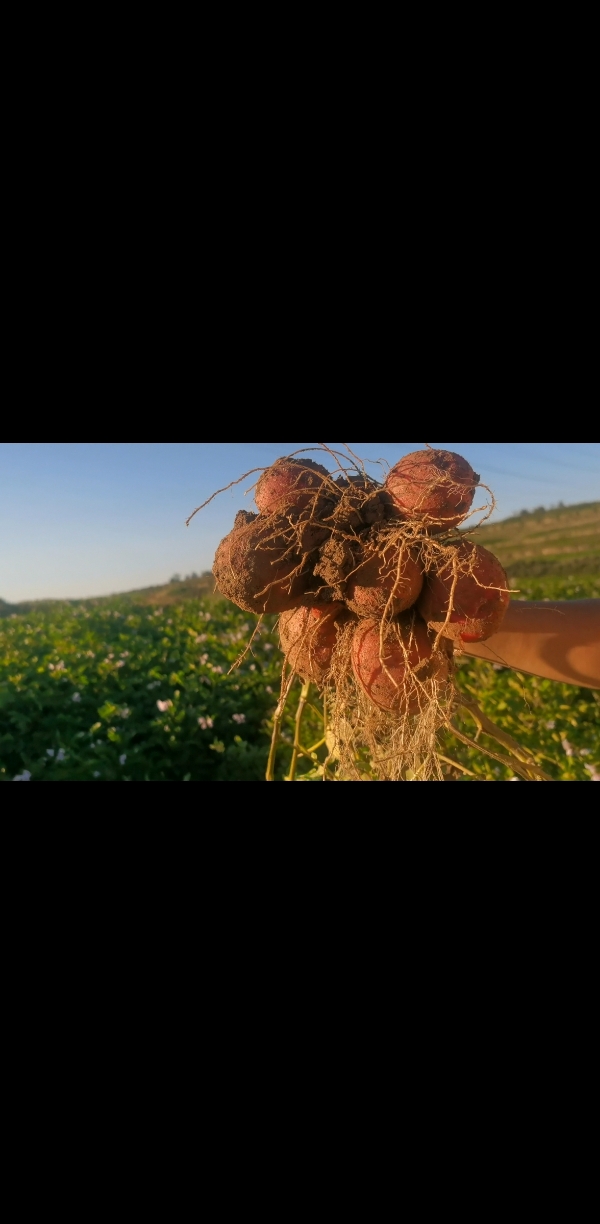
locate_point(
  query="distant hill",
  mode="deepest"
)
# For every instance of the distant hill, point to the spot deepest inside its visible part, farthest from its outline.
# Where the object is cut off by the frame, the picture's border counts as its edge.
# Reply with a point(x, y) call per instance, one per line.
point(171, 593)
point(158, 596)
point(563, 542)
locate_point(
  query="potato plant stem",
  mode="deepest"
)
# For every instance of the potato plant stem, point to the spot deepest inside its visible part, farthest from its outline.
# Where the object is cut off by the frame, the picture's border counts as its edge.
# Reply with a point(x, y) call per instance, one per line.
point(510, 762)
point(457, 765)
point(304, 695)
point(270, 776)
point(516, 750)
point(277, 717)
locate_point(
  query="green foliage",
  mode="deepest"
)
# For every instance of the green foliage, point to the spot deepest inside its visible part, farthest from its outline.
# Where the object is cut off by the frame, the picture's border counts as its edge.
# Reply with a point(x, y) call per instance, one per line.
point(553, 587)
point(558, 722)
point(109, 693)
point(80, 687)
point(561, 543)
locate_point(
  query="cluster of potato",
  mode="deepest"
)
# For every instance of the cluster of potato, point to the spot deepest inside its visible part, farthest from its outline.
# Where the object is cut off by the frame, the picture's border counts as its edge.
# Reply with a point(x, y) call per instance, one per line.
point(324, 552)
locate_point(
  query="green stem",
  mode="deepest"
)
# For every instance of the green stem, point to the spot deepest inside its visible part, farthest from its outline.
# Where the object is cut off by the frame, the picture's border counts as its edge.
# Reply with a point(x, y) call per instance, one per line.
point(304, 695)
point(277, 717)
point(522, 755)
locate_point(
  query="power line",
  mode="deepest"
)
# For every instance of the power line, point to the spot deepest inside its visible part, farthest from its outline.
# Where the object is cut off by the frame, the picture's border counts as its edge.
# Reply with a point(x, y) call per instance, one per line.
point(538, 458)
point(517, 476)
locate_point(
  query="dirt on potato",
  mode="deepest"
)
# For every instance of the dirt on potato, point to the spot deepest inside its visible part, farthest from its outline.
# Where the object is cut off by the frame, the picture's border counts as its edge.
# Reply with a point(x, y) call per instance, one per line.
point(376, 588)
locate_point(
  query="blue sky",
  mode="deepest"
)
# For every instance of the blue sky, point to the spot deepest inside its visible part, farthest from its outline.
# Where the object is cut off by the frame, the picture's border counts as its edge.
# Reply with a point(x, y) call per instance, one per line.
point(80, 519)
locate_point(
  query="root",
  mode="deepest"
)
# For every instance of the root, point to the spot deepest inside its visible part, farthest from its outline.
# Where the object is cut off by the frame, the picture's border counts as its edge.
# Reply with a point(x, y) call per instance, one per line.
point(245, 651)
point(388, 746)
point(224, 490)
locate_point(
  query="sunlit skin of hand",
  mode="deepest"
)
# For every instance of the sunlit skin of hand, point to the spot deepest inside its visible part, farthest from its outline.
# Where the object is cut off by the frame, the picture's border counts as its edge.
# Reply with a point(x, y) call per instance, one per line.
point(555, 639)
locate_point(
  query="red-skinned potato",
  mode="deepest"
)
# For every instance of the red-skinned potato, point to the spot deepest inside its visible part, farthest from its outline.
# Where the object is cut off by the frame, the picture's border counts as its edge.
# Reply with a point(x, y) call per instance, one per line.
point(252, 570)
point(308, 637)
point(435, 487)
point(290, 485)
point(407, 648)
point(393, 573)
point(480, 598)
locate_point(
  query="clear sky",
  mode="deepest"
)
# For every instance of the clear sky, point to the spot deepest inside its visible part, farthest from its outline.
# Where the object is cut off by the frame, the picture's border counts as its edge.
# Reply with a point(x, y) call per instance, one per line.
point(90, 518)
